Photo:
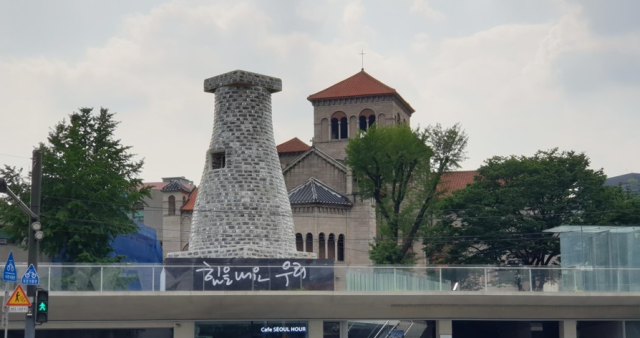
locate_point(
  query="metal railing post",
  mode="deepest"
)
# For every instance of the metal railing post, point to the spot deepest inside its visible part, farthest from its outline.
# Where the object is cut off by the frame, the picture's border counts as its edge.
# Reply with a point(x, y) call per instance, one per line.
point(530, 281)
point(153, 278)
point(101, 277)
point(440, 285)
point(486, 281)
point(394, 280)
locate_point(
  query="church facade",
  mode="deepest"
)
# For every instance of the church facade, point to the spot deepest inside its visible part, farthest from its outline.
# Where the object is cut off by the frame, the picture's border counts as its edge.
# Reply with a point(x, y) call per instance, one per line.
point(330, 218)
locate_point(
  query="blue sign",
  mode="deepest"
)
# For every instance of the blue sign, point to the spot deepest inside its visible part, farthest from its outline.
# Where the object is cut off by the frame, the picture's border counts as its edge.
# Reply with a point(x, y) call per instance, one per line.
point(10, 274)
point(30, 277)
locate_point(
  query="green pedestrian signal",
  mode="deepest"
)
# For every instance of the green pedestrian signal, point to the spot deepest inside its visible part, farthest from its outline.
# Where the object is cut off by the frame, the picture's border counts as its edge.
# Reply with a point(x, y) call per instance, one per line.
point(42, 306)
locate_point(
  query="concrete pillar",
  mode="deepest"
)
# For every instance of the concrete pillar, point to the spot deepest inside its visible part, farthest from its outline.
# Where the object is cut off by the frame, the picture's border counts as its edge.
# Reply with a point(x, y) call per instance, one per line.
point(184, 329)
point(316, 329)
point(568, 329)
point(444, 329)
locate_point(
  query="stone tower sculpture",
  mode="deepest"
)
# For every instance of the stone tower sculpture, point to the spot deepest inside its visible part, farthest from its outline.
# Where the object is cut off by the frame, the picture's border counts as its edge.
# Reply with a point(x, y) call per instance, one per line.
point(242, 209)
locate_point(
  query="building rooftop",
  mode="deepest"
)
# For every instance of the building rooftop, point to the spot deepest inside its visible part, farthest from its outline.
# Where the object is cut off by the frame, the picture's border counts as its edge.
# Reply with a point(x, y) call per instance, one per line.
point(175, 186)
point(294, 145)
point(360, 84)
point(313, 191)
point(191, 202)
point(456, 180)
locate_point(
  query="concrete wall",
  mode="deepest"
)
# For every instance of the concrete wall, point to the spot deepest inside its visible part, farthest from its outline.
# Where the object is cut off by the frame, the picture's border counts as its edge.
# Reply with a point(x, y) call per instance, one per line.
point(287, 158)
point(314, 165)
point(172, 224)
point(357, 224)
point(153, 212)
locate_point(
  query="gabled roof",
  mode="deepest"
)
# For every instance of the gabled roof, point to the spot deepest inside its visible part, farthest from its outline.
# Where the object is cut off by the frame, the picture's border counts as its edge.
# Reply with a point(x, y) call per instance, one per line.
point(175, 186)
point(313, 150)
point(360, 84)
point(191, 202)
point(315, 192)
point(294, 145)
point(456, 180)
point(155, 185)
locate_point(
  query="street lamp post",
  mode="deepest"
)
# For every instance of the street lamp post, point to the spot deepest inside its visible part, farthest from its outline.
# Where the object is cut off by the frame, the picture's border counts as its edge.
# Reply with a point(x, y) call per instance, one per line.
point(34, 217)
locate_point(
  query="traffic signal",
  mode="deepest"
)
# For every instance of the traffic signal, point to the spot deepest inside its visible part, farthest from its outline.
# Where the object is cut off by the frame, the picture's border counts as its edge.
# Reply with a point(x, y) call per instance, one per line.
point(42, 306)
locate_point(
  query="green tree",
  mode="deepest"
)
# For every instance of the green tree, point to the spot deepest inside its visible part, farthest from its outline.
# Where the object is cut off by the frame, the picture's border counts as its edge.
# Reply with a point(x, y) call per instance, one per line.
point(11, 216)
point(400, 169)
point(501, 216)
point(89, 186)
point(622, 207)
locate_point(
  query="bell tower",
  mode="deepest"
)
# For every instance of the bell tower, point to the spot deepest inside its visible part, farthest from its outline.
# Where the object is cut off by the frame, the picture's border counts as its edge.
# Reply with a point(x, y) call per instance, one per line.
point(351, 106)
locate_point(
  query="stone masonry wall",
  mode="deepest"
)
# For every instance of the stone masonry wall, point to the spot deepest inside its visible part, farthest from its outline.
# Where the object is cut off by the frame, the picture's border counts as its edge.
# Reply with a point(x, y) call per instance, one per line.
point(383, 106)
point(315, 166)
point(242, 209)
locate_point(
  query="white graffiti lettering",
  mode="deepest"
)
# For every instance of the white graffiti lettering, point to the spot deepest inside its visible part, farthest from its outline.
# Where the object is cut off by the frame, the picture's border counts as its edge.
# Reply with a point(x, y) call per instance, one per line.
point(223, 275)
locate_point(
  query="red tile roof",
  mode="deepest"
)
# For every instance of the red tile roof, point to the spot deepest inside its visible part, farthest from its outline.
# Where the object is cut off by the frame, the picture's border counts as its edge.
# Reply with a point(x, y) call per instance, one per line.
point(360, 84)
point(191, 202)
point(294, 145)
point(456, 180)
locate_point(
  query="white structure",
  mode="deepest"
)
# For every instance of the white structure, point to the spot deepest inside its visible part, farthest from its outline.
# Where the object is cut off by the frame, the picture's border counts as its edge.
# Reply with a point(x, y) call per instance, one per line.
point(242, 209)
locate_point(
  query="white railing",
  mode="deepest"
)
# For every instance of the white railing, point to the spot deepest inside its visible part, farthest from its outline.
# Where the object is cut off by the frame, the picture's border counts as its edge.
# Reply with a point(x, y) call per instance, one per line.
point(147, 277)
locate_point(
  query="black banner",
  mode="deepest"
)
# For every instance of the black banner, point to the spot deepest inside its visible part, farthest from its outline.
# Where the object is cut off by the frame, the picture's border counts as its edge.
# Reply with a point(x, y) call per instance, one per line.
point(248, 274)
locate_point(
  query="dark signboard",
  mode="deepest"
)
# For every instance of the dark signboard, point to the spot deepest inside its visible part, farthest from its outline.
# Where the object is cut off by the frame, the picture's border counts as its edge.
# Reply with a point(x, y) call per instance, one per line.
point(248, 274)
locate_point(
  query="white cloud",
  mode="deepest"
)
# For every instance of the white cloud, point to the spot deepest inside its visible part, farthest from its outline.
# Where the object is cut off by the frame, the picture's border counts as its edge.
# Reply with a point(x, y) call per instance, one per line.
point(422, 8)
point(505, 83)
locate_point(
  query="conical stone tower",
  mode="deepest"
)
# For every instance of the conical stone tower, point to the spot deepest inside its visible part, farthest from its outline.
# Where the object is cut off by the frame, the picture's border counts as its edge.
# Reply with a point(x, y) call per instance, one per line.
point(242, 209)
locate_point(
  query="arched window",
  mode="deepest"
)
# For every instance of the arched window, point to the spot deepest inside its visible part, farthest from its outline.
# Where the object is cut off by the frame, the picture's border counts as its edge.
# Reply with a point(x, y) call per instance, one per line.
point(331, 247)
point(339, 125)
point(321, 246)
point(367, 118)
point(299, 243)
point(334, 129)
point(341, 248)
point(184, 200)
point(172, 205)
point(381, 120)
point(324, 130)
point(363, 123)
point(344, 128)
point(309, 242)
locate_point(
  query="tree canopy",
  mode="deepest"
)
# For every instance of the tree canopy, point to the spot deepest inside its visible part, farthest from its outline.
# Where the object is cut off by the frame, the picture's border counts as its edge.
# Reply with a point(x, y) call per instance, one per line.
point(89, 186)
point(501, 216)
point(400, 169)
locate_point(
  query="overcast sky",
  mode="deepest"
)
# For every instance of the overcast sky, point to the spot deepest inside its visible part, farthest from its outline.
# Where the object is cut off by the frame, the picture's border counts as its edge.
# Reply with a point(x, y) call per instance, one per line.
point(518, 75)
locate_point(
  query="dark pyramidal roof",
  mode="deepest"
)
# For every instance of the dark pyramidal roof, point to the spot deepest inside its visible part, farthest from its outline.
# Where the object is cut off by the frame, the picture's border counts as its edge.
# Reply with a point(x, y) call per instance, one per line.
point(175, 186)
point(315, 192)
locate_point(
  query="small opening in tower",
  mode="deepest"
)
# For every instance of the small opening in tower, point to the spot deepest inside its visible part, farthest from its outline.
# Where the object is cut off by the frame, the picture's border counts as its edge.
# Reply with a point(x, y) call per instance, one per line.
point(218, 160)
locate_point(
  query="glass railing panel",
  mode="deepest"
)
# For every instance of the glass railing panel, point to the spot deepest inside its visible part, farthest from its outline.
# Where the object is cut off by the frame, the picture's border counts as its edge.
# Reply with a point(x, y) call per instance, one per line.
point(140, 277)
point(514, 279)
point(74, 278)
point(464, 279)
point(127, 278)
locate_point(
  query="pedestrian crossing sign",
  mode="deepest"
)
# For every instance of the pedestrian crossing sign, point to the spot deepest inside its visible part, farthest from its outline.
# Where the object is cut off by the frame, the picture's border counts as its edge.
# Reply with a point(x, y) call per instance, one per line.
point(18, 298)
